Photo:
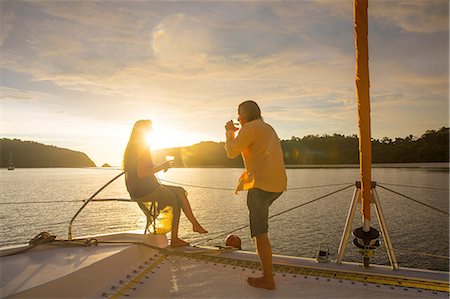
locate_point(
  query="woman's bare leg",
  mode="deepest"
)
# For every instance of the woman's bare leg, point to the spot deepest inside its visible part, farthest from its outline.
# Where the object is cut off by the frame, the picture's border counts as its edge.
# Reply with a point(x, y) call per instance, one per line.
point(175, 241)
point(196, 227)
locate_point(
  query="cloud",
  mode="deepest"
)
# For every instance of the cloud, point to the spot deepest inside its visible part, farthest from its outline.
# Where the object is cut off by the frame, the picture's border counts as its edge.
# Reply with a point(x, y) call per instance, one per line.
point(179, 48)
point(191, 61)
point(21, 95)
point(112, 17)
point(6, 22)
point(413, 16)
point(180, 40)
point(417, 16)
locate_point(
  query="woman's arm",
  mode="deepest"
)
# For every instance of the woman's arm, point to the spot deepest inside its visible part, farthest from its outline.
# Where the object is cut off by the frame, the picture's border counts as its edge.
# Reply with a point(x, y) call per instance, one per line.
point(146, 168)
point(164, 166)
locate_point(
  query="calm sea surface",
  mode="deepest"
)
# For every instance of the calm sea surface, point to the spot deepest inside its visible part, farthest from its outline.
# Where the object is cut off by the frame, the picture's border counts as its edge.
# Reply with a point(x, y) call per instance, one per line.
point(36, 200)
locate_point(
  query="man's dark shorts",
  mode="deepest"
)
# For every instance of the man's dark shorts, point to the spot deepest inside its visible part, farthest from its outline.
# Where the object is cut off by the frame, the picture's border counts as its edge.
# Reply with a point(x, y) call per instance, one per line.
point(258, 203)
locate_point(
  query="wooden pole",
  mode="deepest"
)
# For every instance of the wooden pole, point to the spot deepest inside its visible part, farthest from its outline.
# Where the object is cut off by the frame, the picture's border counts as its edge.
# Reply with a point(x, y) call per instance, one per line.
point(363, 96)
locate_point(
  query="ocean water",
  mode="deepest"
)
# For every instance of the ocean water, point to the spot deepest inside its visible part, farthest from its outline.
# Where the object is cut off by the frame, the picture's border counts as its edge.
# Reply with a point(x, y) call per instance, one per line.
point(36, 200)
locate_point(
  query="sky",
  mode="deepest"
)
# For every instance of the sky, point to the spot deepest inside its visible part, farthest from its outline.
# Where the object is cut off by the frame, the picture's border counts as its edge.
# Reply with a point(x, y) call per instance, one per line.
point(78, 74)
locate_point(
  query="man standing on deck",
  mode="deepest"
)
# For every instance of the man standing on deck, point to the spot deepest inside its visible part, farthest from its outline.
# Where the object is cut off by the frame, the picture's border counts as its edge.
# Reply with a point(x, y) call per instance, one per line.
point(264, 178)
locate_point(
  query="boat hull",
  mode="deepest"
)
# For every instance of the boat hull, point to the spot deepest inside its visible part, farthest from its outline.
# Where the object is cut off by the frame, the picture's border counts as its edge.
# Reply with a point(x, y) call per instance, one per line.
point(137, 265)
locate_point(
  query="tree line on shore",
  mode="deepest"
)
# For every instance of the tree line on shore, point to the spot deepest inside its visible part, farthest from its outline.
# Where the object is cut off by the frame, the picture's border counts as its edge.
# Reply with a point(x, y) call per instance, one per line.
point(432, 146)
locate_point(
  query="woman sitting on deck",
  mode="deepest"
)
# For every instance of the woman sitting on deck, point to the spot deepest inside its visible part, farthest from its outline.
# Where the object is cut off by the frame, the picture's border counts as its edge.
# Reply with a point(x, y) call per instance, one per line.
point(144, 187)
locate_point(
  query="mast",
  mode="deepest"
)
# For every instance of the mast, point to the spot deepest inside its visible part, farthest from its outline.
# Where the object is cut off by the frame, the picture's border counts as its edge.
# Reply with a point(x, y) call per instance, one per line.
point(365, 236)
point(363, 97)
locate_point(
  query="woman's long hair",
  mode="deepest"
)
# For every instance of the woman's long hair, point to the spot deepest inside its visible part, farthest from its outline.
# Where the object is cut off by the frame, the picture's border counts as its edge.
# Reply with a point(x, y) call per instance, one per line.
point(137, 144)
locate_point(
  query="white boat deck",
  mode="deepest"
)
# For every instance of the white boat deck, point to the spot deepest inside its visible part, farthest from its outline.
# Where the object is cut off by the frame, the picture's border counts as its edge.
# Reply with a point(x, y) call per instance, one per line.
point(132, 266)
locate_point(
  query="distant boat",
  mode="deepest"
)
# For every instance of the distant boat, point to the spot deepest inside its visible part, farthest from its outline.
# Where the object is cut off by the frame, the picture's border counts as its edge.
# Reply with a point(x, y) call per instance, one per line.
point(11, 164)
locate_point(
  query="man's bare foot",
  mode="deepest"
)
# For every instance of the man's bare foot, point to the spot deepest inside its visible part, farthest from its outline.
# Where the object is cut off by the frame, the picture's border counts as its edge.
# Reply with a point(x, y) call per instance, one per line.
point(260, 282)
point(178, 243)
point(199, 229)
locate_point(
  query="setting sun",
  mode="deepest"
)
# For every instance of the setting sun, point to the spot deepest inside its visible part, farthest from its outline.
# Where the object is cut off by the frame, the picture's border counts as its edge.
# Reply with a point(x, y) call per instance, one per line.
point(166, 137)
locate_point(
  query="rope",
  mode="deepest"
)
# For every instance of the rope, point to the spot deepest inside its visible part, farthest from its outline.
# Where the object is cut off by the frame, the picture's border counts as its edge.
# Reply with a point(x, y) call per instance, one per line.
point(112, 199)
point(196, 186)
point(415, 200)
point(231, 189)
point(311, 201)
point(41, 238)
point(275, 215)
point(172, 182)
point(319, 186)
point(420, 187)
point(423, 253)
point(46, 238)
point(212, 188)
point(33, 202)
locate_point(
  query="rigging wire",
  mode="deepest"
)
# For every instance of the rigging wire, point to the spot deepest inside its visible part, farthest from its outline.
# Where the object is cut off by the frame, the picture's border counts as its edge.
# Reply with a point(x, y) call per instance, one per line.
point(232, 189)
point(196, 186)
point(410, 186)
point(225, 189)
point(415, 200)
point(275, 215)
point(319, 186)
point(33, 202)
point(423, 253)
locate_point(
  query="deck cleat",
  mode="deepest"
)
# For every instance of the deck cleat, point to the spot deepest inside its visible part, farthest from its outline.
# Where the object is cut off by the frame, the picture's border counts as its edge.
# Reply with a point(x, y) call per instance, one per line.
point(323, 256)
point(367, 242)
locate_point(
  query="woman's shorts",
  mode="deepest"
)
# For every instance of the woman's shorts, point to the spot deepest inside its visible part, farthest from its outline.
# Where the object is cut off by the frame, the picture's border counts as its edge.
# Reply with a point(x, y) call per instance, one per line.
point(165, 195)
point(258, 203)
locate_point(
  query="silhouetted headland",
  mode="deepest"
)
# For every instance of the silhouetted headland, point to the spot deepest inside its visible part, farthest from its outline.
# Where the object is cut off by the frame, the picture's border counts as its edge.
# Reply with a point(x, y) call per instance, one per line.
point(29, 154)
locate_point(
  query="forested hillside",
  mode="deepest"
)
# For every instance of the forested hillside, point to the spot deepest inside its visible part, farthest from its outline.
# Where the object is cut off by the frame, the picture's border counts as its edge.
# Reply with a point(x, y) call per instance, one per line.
point(33, 154)
point(432, 146)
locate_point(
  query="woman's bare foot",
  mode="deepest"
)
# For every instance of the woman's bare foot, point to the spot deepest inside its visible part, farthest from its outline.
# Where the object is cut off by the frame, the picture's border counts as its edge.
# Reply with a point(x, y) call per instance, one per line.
point(261, 282)
point(199, 229)
point(178, 243)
